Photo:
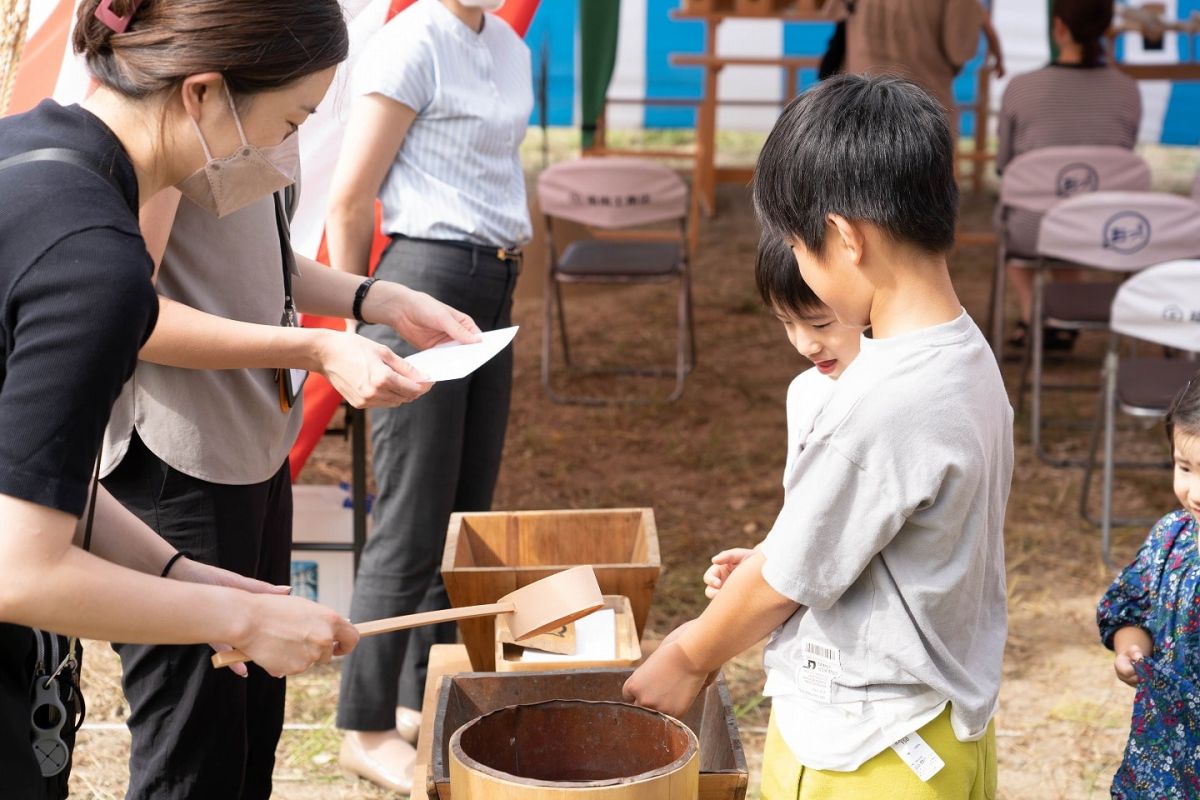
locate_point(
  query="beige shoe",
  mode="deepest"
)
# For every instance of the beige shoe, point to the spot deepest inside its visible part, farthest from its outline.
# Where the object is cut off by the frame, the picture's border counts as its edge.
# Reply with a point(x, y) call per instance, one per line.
point(408, 723)
point(382, 760)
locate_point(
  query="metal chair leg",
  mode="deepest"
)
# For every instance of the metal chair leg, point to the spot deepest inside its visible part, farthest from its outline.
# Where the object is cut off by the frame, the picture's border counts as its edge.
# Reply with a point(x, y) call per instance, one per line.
point(1037, 335)
point(1110, 411)
point(998, 301)
point(562, 324)
point(547, 337)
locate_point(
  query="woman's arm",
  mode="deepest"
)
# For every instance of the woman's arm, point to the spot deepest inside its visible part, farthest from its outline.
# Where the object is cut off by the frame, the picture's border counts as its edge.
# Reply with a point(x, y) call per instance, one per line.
point(366, 373)
point(419, 318)
point(47, 582)
point(374, 135)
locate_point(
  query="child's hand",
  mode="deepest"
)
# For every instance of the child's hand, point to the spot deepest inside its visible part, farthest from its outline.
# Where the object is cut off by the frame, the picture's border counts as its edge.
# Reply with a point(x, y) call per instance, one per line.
point(723, 565)
point(1124, 664)
point(668, 681)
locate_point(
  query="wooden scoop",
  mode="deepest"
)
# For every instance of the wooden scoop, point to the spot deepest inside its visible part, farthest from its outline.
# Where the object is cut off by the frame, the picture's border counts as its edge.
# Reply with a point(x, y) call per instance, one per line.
point(541, 606)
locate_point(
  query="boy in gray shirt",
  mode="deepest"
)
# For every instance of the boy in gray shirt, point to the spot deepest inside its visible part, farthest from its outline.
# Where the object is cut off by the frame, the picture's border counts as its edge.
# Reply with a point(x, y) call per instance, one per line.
point(886, 564)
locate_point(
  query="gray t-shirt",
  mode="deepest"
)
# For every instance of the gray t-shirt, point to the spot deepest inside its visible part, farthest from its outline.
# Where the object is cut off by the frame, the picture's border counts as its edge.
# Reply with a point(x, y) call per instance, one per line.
point(221, 426)
point(891, 538)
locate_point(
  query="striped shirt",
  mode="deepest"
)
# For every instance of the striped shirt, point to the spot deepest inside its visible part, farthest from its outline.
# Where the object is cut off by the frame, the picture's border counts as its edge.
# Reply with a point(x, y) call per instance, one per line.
point(1061, 105)
point(458, 175)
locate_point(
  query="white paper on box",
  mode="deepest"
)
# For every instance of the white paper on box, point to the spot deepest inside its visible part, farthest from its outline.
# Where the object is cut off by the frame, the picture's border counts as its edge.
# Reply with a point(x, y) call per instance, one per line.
point(595, 640)
point(451, 361)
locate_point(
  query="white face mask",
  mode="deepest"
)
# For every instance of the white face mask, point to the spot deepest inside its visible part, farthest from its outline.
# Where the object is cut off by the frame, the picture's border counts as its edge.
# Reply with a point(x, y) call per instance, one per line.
point(225, 185)
point(486, 5)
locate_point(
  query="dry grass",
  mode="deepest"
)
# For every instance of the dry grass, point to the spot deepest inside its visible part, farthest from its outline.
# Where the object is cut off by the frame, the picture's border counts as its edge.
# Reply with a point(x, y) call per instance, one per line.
point(709, 465)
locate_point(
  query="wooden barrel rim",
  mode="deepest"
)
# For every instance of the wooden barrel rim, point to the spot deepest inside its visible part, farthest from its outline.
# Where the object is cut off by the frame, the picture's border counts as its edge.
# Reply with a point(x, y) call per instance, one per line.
point(690, 752)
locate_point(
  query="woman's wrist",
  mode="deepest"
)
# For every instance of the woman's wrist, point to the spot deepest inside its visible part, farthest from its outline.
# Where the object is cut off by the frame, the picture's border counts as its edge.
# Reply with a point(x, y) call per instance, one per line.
point(384, 302)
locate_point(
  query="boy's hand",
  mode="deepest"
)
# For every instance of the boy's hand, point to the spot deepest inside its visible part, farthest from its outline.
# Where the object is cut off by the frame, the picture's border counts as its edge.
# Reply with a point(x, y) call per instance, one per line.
point(723, 565)
point(668, 682)
point(1124, 664)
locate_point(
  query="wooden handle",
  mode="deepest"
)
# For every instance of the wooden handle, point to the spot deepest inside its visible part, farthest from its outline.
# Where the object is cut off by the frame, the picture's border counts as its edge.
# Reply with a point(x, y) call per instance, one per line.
point(228, 657)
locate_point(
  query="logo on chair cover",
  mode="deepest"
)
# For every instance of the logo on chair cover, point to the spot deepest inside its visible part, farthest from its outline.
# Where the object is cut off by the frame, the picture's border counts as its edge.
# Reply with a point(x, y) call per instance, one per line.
point(1076, 179)
point(611, 200)
point(1126, 232)
point(1173, 314)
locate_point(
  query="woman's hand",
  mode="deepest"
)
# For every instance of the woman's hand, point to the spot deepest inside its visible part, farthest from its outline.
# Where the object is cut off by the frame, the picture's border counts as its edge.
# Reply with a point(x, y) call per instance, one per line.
point(422, 320)
point(191, 571)
point(287, 635)
point(368, 374)
point(723, 565)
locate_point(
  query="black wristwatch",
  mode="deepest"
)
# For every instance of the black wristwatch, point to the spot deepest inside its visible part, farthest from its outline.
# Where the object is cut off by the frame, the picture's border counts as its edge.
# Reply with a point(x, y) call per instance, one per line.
point(361, 295)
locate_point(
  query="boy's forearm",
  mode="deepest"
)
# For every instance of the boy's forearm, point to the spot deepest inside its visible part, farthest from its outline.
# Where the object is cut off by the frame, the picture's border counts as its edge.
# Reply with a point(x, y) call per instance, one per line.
point(745, 611)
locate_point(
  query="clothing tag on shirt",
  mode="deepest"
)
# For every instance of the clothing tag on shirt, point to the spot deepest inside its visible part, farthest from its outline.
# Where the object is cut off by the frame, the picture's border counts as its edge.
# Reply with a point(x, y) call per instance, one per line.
point(822, 664)
point(916, 752)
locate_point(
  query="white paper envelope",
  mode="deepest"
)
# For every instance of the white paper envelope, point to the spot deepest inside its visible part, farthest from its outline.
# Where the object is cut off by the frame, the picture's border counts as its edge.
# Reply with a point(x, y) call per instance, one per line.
point(451, 361)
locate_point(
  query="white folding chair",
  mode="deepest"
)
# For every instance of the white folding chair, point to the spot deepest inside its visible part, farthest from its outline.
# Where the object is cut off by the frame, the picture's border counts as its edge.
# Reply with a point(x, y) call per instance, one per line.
point(1115, 232)
point(1160, 305)
point(1034, 182)
point(620, 200)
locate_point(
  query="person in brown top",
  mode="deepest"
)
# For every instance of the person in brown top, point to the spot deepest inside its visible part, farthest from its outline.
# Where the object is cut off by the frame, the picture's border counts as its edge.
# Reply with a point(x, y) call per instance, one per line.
point(926, 41)
point(1076, 100)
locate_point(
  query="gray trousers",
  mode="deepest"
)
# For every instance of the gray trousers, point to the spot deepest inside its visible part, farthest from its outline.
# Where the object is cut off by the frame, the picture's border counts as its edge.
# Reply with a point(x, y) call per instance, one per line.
point(431, 457)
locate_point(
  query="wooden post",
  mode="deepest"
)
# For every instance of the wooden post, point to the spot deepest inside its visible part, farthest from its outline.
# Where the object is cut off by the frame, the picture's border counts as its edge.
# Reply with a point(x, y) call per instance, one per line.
point(706, 124)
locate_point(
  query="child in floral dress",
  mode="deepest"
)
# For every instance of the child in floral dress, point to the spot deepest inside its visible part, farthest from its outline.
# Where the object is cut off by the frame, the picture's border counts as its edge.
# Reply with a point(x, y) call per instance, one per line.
point(1150, 617)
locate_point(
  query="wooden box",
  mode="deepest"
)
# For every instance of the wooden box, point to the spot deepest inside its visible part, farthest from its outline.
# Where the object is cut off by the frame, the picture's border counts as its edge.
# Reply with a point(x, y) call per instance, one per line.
point(707, 6)
point(723, 773)
point(629, 649)
point(490, 554)
point(760, 8)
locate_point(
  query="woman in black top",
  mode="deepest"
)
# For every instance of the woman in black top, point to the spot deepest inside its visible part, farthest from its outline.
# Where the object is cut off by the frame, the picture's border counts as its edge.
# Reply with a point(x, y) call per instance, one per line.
point(193, 93)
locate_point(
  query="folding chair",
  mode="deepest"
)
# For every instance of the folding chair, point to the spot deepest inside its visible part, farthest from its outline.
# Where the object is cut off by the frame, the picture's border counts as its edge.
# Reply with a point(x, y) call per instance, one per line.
point(1160, 305)
point(1116, 232)
point(619, 200)
point(1035, 181)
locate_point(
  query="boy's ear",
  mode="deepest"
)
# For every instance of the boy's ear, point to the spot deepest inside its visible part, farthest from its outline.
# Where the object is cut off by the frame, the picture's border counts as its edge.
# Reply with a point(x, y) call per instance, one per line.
point(847, 239)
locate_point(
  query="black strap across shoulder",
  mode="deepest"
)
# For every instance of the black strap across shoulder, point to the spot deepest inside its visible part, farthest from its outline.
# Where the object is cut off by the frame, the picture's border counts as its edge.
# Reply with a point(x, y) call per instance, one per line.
point(63, 155)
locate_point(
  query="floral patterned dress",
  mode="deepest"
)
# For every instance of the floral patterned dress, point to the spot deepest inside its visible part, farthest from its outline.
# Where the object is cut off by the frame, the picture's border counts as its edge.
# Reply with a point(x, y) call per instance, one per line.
point(1160, 592)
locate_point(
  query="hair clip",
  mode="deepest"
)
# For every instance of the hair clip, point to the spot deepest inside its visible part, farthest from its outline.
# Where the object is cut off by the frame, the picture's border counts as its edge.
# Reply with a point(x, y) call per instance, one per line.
point(118, 24)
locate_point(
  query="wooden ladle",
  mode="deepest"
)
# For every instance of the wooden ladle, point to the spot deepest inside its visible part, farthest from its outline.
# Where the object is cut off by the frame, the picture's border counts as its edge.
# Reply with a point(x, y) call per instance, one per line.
point(537, 608)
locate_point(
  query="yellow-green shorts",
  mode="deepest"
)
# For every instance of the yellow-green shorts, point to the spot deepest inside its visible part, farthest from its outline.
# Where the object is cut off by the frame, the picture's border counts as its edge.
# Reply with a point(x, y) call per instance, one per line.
point(969, 774)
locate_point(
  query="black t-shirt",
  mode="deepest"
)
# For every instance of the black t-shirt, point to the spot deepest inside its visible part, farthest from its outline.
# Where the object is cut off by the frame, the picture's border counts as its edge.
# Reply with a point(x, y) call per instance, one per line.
point(76, 304)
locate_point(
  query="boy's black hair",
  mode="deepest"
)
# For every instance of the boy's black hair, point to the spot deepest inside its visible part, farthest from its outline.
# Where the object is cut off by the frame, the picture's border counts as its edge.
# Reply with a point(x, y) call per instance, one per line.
point(1184, 412)
point(779, 281)
point(875, 149)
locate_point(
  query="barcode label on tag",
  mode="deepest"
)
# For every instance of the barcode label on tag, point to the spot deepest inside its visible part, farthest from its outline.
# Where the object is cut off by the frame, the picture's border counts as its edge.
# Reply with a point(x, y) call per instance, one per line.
point(822, 664)
point(819, 651)
point(920, 757)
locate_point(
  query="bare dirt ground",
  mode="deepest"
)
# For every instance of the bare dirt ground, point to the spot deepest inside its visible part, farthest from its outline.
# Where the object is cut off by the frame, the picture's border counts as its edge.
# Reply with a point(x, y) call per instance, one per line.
point(710, 467)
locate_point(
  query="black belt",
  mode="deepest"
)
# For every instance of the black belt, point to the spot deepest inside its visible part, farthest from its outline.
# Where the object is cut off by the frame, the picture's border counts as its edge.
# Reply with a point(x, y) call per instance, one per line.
point(503, 254)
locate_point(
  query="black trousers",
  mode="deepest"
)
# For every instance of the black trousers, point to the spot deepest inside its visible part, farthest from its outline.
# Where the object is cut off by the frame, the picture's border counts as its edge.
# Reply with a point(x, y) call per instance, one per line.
point(437, 455)
point(202, 733)
point(20, 776)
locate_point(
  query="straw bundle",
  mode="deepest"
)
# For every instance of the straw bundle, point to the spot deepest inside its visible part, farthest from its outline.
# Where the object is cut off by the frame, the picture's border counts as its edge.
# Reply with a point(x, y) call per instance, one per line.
point(14, 21)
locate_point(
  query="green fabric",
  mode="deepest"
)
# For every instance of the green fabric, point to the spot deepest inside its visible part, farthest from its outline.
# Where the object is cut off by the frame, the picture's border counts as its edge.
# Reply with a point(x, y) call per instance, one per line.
point(598, 22)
